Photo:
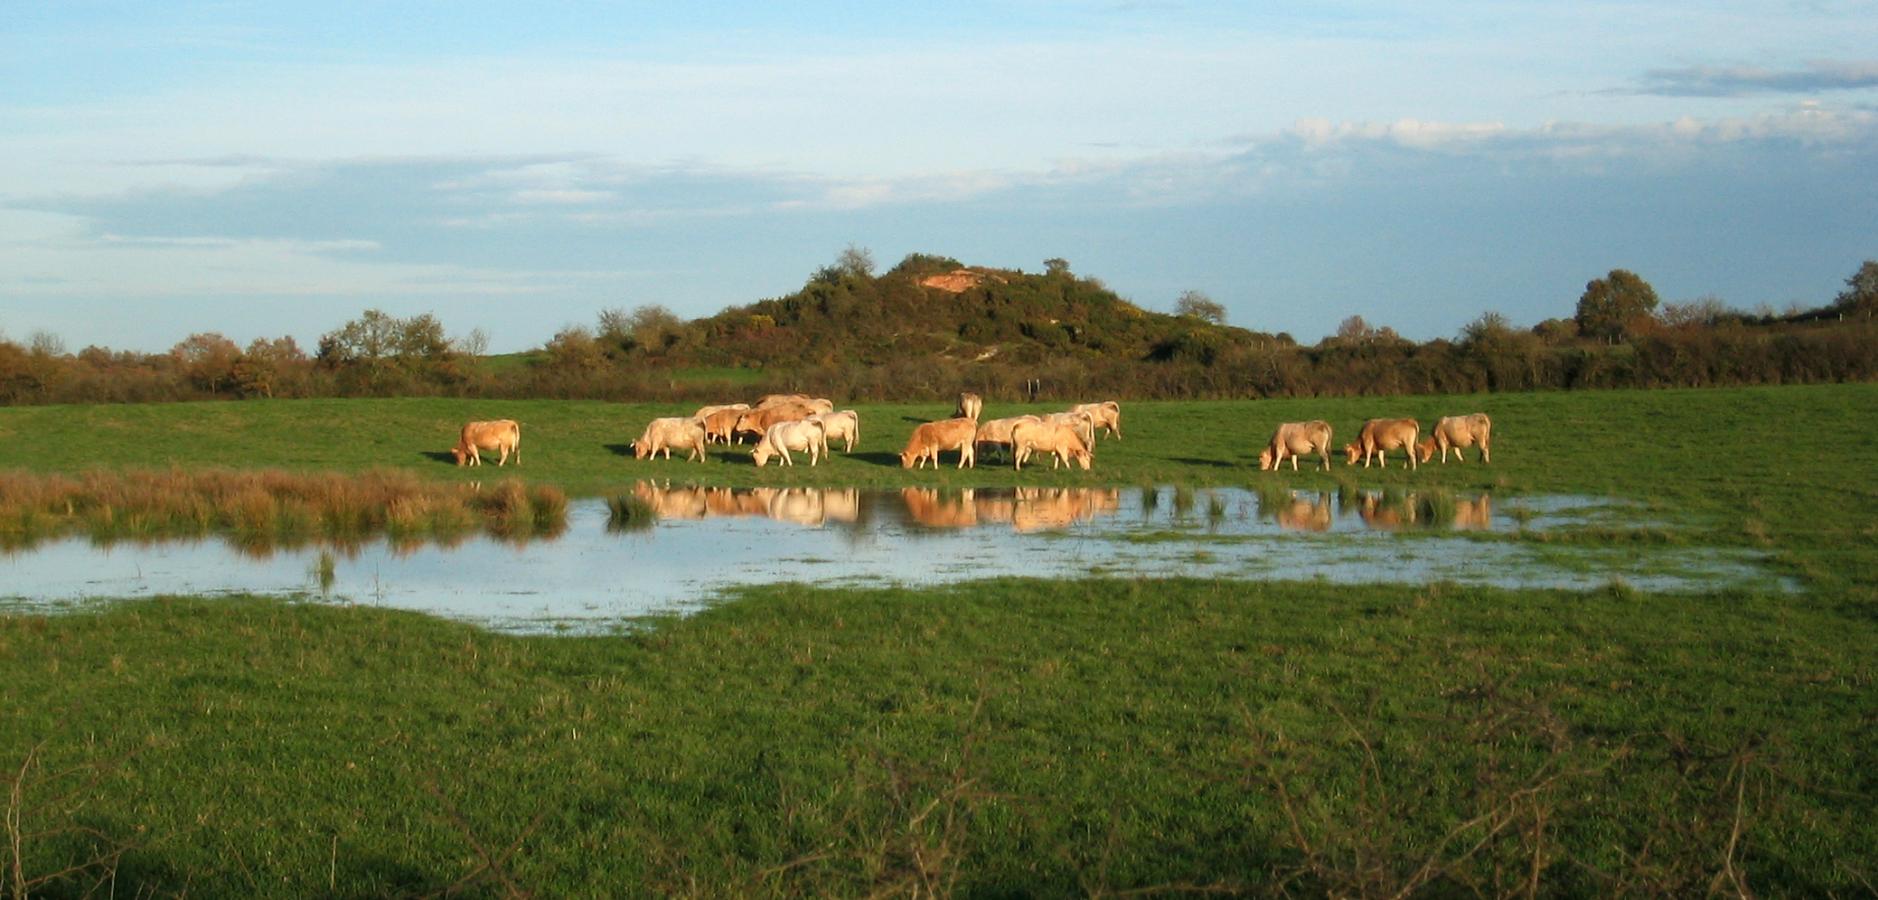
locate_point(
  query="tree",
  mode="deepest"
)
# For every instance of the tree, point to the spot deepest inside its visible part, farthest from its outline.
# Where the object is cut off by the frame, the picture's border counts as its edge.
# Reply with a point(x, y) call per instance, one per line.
point(266, 364)
point(1055, 266)
point(856, 261)
point(376, 344)
point(1861, 290)
point(1615, 306)
point(574, 349)
point(655, 328)
point(208, 360)
point(1354, 330)
point(1702, 312)
point(1196, 305)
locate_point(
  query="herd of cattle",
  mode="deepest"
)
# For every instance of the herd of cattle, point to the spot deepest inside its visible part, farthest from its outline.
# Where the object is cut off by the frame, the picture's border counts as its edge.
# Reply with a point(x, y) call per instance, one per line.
point(781, 424)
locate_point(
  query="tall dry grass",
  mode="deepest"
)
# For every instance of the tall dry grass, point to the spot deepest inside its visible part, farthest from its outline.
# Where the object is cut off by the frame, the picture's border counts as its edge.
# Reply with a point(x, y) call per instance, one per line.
point(267, 508)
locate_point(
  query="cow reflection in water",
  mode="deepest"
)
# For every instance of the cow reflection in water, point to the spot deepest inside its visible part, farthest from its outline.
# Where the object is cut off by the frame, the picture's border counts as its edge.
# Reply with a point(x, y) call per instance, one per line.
point(1382, 512)
point(1024, 509)
point(1299, 512)
point(803, 506)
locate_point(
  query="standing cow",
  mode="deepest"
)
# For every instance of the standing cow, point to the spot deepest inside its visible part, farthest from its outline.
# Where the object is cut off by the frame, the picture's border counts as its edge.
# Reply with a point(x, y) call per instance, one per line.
point(1457, 432)
point(1294, 439)
point(1382, 435)
point(501, 435)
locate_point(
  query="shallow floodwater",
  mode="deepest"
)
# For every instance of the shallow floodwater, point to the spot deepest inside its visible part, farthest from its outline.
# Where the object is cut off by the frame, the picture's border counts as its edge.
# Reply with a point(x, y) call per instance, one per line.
point(708, 540)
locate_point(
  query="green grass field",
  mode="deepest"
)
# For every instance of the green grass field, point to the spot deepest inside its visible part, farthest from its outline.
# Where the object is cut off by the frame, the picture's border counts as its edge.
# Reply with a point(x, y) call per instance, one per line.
point(1008, 737)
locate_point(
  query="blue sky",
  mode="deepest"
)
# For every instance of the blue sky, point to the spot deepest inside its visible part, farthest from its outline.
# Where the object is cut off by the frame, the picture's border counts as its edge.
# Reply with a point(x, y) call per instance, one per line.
point(269, 169)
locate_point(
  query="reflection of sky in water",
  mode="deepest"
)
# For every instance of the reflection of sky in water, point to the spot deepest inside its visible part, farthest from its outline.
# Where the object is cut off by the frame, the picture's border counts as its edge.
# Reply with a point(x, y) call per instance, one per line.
point(590, 576)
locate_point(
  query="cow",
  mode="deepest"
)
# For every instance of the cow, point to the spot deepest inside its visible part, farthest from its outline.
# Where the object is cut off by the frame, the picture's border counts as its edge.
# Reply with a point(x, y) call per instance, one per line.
point(724, 415)
point(758, 421)
point(929, 438)
point(768, 400)
point(970, 405)
point(501, 435)
point(721, 426)
point(844, 426)
point(1380, 436)
point(672, 431)
point(1294, 439)
point(1107, 416)
point(1455, 433)
point(997, 432)
point(1051, 437)
point(782, 437)
point(1083, 422)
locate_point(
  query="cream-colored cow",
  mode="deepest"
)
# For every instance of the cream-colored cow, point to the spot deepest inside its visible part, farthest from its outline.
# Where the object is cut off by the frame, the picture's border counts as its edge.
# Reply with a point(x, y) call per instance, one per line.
point(1107, 416)
point(669, 433)
point(1064, 441)
point(1458, 432)
point(802, 435)
point(501, 435)
point(1380, 436)
point(1294, 439)
point(929, 438)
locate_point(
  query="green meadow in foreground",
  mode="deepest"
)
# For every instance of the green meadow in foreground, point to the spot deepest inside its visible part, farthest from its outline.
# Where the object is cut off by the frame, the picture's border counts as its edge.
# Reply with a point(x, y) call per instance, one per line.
point(1001, 737)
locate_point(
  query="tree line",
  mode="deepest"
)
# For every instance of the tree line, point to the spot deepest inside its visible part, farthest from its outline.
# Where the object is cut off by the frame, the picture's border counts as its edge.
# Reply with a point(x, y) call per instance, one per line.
point(851, 333)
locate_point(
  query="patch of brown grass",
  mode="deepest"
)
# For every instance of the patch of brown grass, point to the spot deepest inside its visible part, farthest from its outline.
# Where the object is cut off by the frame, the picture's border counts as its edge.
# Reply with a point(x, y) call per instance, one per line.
point(262, 508)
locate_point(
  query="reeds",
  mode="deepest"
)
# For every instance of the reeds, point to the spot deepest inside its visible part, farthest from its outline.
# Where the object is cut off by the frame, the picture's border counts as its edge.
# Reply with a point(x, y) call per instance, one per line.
point(629, 512)
point(267, 508)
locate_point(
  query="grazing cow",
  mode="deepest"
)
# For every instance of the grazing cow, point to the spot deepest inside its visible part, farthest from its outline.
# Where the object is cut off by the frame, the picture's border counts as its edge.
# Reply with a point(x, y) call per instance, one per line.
point(1083, 422)
point(1455, 433)
point(801, 435)
point(1051, 437)
point(844, 426)
point(757, 421)
point(1380, 436)
point(501, 435)
point(970, 405)
point(725, 415)
point(768, 400)
point(997, 432)
point(929, 438)
point(721, 426)
point(1294, 439)
point(667, 433)
point(1107, 416)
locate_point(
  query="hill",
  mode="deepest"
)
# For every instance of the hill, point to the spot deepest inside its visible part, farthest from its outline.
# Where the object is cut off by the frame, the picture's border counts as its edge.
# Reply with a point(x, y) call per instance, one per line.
point(934, 308)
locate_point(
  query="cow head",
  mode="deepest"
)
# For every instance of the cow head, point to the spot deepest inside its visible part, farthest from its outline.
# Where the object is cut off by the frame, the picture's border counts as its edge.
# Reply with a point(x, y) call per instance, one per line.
point(1425, 450)
point(1352, 453)
point(907, 458)
point(461, 457)
point(761, 453)
point(1267, 459)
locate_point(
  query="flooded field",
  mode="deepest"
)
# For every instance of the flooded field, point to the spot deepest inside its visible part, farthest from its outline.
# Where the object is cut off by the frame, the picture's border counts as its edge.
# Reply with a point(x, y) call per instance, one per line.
point(600, 571)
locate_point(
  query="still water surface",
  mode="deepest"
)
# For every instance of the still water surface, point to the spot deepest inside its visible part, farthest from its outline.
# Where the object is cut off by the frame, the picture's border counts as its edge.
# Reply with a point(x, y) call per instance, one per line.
point(594, 576)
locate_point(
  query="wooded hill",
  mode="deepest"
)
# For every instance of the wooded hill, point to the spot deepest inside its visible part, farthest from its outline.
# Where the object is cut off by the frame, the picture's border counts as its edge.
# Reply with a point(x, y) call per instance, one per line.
point(931, 327)
point(935, 307)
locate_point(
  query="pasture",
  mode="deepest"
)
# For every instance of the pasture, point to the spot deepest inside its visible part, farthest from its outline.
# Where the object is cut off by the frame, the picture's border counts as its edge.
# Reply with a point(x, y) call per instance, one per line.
point(999, 737)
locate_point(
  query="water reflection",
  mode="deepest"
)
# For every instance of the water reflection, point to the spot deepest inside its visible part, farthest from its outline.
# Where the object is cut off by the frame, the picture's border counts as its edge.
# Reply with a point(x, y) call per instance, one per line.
point(1387, 511)
point(1023, 509)
point(705, 541)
